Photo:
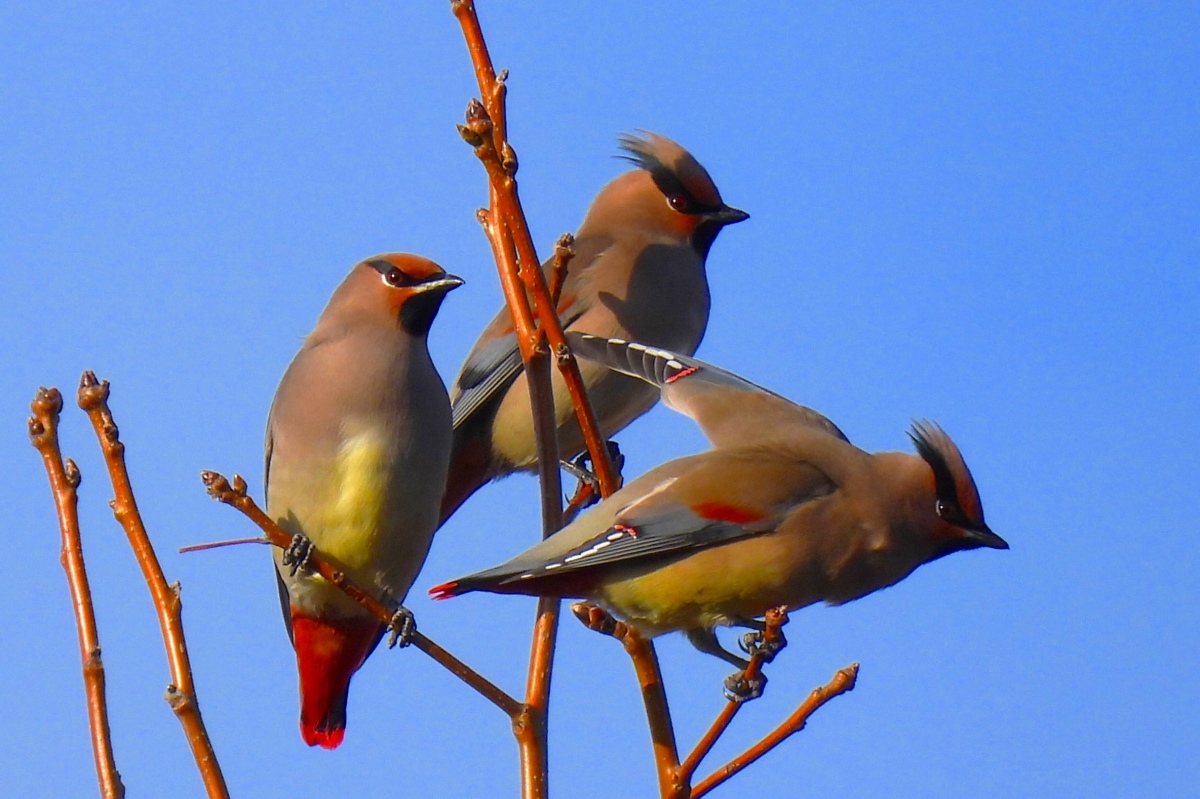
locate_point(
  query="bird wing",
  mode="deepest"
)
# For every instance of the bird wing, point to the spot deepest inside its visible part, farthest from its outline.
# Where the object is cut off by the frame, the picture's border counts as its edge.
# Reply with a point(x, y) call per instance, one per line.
point(493, 366)
point(730, 410)
point(716, 497)
point(487, 373)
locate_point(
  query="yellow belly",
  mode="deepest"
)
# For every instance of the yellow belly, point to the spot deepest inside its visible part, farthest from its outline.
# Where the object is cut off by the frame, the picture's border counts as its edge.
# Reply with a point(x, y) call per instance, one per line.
point(350, 525)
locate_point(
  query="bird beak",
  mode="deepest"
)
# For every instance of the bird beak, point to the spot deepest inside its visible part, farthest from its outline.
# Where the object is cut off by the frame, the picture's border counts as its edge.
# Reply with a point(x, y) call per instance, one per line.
point(728, 216)
point(987, 538)
point(446, 282)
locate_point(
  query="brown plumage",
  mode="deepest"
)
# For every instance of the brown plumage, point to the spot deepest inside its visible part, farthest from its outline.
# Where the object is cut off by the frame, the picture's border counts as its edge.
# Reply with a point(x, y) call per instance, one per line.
point(358, 443)
point(782, 511)
point(638, 273)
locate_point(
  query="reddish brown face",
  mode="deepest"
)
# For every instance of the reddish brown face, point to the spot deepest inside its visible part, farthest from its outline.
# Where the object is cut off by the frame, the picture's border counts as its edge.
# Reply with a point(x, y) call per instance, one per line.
point(958, 505)
point(413, 287)
point(696, 209)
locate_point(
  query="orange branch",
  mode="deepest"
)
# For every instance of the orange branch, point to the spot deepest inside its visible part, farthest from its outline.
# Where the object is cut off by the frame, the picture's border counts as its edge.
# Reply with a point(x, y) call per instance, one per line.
point(64, 482)
point(842, 682)
point(488, 122)
point(654, 694)
point(564, 251)
point(181, 692)
point(235, 496)
point(775, 619)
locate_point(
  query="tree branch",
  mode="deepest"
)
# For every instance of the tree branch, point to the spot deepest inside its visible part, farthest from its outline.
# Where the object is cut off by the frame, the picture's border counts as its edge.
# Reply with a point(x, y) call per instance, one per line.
point(235, 496)
point(488, 122)
point(654, 693)
point(64, 482)
point(842, 682)
point(775, 619)
point(181, 692)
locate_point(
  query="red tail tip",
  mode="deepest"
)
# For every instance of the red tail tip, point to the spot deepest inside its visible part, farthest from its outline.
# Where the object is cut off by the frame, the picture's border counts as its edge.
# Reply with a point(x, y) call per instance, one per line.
point(326, 739)
point(328, 652)
point(444, 591)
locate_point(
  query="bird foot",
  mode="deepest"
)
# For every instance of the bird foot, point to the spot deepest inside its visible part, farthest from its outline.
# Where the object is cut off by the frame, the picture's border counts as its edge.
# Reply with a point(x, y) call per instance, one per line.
point(578, 468)
point(298, 554)
point(755, 644)
point(401, 628)
point(599, 620)
point(740, 688)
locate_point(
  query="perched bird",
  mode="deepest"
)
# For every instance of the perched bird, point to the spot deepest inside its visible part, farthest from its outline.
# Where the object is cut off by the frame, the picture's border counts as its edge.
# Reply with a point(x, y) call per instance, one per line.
point(782, 511)
point(638, 273)
point(358, 443)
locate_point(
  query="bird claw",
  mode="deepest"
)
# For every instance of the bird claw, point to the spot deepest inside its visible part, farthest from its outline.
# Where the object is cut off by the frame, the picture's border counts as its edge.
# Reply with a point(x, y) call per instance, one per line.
point(298, 554)
point(739, 688)
point(754, 645)
point(587, 492)
point(577, 469)
point(401, 628)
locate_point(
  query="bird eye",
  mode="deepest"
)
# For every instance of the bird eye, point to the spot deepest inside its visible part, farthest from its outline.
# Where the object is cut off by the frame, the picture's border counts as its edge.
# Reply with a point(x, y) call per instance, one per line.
point(943, 508)
point(680, 203)
point(395, 277)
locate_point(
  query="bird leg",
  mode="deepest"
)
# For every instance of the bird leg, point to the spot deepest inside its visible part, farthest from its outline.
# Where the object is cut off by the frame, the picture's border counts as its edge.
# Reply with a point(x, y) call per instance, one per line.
point(587, 493)
point(578, 468)
point(298, 554)
point(401, 628)
point(705, 639)
point(758, 643)
point(741, 686)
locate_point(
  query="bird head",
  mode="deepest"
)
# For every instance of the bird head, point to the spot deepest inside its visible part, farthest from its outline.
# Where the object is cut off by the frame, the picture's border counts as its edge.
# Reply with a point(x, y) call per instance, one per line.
point(670, 191)
point(407, 288)
point(957, 506)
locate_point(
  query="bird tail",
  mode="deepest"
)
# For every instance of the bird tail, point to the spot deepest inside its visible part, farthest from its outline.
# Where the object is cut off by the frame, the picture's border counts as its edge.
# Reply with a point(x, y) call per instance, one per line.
point(328, 652)
point(451, 589)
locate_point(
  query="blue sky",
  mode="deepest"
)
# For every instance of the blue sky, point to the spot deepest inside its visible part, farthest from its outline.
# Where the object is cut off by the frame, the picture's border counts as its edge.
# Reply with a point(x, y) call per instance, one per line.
point(987, 216)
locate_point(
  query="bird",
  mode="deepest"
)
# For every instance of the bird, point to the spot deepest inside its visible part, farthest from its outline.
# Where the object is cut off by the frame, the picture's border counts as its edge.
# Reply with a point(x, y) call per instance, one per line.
point(638, 273)
point(782, 511)
point(357, 450)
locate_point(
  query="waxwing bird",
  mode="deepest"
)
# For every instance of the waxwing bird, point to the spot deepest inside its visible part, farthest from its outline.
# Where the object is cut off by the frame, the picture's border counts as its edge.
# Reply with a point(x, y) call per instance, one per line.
point(782, 511)
point(638, 273)
point(358, 443)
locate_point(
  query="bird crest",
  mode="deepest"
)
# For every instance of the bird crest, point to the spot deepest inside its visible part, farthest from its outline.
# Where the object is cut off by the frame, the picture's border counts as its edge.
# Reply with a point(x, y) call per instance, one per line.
point(955, 485)
point(675, 171)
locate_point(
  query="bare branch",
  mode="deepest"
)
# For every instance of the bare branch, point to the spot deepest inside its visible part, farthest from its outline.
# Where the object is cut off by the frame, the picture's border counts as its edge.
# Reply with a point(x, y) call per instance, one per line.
point(234, 494)
point(487, 121)
point(564, 251)
point(842, 682)
point(775, 619)
point(181, 692)
point(64, 482)
point(654, 694)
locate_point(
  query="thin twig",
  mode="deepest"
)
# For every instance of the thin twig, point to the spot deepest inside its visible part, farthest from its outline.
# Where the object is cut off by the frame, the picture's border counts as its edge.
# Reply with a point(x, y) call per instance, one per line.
point(529, 728)
point(64, 482)
point(181, 692)
point(522, 279)
point(564, 251)
point(776, 618)
point(234, 494)
point(842, 682)
point(654, 694)
point(487, 123)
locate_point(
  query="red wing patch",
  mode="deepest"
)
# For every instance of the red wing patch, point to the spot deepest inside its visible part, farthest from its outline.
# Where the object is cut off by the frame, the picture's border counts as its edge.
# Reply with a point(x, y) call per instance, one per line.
point(682, 374)
point(721, 512)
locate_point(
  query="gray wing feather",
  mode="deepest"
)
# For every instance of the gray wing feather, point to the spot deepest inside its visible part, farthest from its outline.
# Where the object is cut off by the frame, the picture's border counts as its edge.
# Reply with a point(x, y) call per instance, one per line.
point(485, 375)
point(705, 392)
